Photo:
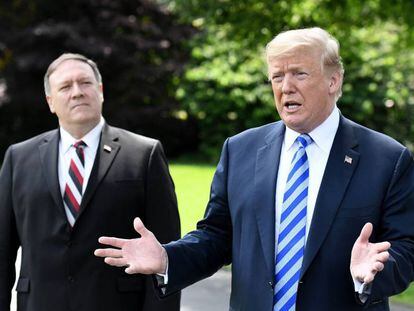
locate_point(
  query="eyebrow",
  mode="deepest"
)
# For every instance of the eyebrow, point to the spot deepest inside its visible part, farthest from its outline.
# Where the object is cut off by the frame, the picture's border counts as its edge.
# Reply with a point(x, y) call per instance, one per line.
point(82, 78)
point(290, 67)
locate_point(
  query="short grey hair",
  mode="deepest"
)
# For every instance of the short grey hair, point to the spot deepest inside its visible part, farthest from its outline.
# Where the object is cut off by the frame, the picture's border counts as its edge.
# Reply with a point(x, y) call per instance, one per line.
point(314, 38)
point(69, 56)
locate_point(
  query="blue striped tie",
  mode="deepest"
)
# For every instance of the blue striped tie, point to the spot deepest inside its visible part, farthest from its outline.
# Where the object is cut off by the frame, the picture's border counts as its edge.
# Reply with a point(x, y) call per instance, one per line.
point(291, 241)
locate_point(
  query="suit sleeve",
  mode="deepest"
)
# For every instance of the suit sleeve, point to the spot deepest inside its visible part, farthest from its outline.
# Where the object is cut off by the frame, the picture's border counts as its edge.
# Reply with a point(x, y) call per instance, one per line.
point(9, 242)
point(397, 228)
point(202, 252)
point(162, 218)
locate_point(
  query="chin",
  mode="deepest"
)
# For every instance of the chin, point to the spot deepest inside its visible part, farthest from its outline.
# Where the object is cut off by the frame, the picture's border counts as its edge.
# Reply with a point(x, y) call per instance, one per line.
point(293, 123)
point(86, 121)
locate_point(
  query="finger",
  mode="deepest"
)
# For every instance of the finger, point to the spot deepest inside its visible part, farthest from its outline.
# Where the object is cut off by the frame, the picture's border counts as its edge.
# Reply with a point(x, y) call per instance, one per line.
point(378, 266)
point(365, 233)
point(383, 257)
point(137, 269)
point(382, 246)
point(108, 252)
point(130, 270)
point(110, 241)
point(117, 262)
point(140, 228)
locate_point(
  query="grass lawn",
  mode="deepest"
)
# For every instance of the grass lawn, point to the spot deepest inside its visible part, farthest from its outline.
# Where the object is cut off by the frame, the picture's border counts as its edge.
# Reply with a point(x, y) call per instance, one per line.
point(192, 185)
point(406, 297)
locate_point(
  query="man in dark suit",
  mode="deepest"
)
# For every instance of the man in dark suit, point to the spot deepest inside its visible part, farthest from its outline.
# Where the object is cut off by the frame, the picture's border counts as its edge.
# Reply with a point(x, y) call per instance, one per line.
point(61, 190)
point(314, 212)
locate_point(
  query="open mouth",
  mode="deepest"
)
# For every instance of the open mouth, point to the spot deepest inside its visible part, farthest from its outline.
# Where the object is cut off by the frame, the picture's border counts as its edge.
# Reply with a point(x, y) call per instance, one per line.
point(291, 105)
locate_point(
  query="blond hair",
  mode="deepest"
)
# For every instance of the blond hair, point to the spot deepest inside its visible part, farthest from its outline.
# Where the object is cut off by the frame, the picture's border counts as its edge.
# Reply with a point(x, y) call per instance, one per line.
point(314, 38)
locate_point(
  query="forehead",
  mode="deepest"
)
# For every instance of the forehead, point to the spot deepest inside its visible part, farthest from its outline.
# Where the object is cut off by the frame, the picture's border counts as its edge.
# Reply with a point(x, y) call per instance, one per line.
point(71, 69)
point(302, 57)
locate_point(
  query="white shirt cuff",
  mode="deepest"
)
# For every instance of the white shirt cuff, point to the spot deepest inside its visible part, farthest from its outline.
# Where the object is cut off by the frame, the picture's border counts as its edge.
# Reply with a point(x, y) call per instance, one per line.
point(162, 279)
point(363, 290)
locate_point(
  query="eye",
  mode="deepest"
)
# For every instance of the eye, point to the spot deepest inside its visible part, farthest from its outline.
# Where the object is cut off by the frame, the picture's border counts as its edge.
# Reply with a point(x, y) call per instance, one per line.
point(301, 75)
point(277, 78)
point(86, 82)
point(64, 87)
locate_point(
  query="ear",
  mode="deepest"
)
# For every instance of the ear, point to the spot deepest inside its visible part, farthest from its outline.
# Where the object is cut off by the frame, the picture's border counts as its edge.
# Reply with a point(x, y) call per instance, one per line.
point(50, 103)
point(101, 89)
point(335, 82)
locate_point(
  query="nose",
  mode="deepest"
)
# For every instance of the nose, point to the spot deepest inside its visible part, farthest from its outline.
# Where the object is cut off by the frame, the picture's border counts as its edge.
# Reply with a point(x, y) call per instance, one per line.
point(288, 86)
point(77, 90)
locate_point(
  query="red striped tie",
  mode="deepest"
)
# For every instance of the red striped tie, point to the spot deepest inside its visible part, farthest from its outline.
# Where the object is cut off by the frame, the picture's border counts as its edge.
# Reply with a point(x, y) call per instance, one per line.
point(74, 183)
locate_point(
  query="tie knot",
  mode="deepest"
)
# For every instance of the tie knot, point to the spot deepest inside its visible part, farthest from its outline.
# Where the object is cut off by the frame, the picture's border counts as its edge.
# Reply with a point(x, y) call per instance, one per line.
point(79, 144)
point(304, 140)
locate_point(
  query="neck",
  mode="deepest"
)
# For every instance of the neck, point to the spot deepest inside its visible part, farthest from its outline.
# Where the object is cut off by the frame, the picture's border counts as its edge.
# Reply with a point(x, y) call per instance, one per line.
point(78, 131)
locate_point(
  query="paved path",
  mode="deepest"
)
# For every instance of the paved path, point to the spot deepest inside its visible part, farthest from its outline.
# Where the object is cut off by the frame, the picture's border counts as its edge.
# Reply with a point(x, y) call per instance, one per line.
point(211, 294)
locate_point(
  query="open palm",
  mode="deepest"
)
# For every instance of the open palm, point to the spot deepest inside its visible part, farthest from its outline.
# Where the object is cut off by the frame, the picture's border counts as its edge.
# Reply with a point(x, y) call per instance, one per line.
point(367, 259)
point(141, 255)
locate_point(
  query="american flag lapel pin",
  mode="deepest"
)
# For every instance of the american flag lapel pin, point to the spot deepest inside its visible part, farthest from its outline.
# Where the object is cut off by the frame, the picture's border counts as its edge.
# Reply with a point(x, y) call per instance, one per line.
point(107, 148)
point(348, 159)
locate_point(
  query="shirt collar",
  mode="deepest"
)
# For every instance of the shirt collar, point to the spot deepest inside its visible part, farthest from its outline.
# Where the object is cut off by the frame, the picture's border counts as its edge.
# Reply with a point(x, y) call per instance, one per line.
point(91, 139)
point(323, 135)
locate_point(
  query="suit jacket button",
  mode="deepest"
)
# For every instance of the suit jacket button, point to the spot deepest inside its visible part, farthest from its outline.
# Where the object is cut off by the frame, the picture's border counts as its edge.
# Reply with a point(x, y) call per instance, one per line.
point(71, 279)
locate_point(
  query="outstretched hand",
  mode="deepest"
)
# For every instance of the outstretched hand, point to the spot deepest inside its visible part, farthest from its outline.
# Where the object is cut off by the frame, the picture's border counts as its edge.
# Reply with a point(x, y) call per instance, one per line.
point(143, 255)
point(367, 259)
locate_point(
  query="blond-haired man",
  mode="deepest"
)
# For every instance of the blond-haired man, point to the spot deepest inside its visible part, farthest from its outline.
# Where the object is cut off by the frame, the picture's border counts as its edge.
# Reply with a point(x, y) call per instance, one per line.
point(314, 211)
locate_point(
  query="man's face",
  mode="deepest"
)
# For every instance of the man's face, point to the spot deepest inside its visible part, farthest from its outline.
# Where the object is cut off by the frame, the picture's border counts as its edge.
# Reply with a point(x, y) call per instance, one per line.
point(304, 94)
point(75, 95)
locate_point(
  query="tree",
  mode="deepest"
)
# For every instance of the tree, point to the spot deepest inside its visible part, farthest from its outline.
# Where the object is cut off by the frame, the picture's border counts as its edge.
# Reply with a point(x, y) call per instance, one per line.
point(138, 45)
point(226, 89)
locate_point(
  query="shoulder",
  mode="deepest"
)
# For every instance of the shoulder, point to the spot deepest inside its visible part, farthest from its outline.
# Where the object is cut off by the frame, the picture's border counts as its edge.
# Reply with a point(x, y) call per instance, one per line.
point(259, 134)
point(131, 139)
point(374, 140)
point(36, 141)
point(379, 149)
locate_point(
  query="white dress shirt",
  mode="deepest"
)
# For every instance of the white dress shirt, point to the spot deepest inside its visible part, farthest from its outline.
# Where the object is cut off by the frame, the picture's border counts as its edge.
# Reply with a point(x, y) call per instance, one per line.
point(66, 152)
point(317, 152)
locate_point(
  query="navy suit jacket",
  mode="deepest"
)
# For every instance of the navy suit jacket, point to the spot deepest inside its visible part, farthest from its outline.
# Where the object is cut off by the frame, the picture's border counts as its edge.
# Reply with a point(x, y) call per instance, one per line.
point(377, 186)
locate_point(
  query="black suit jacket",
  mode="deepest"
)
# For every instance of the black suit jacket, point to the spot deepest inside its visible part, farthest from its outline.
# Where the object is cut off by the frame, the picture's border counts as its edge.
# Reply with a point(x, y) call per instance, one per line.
point(376, 186)
point(58, 268)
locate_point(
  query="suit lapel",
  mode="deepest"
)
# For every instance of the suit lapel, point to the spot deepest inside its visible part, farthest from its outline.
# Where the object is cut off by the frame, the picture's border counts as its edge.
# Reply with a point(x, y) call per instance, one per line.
point(267, 163)
point(338, 173)
point(49, 159)
point(105, 155)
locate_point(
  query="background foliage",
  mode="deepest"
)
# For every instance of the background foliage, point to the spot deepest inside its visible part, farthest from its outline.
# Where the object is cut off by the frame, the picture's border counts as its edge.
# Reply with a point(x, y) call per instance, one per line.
point(142, 48)
point(138, 45)
point(225, 87)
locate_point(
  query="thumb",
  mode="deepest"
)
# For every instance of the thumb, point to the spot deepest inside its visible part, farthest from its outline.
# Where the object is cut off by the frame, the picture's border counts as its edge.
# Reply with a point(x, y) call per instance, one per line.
point(139, 227)
point(365, 233)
